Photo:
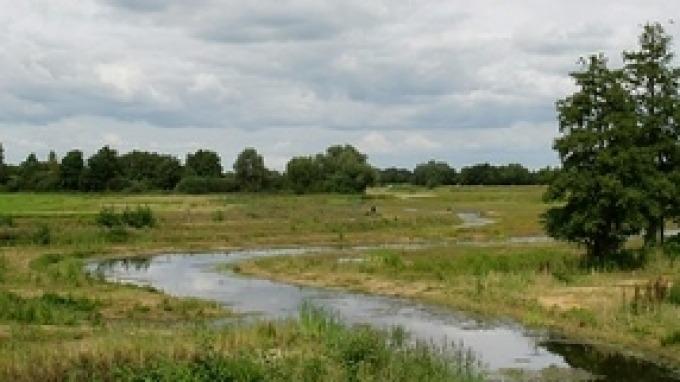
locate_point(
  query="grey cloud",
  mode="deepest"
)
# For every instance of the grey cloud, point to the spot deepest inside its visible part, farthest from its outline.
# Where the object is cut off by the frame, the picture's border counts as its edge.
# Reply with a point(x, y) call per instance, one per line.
point(341, 67)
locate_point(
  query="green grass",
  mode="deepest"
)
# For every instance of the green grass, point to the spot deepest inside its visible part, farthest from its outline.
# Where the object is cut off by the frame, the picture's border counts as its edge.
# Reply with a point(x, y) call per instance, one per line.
point(542, 285)
point(68, 322)
point(317, 347)
point(48, 309)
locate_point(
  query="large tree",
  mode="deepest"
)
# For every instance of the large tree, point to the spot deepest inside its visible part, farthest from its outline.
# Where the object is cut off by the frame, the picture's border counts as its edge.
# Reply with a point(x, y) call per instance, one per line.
point(653, 84)
point(600, 164)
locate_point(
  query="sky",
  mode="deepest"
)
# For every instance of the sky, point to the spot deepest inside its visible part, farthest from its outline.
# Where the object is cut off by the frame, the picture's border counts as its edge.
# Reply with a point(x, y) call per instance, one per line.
point(404, 81)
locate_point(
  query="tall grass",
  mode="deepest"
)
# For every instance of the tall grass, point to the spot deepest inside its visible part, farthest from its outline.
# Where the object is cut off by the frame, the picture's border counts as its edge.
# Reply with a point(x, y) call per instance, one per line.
point(48, 309)
point(317, 347)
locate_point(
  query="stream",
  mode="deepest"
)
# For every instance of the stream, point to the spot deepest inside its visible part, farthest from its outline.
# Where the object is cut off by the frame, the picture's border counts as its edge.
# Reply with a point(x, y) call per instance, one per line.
point(504, 348)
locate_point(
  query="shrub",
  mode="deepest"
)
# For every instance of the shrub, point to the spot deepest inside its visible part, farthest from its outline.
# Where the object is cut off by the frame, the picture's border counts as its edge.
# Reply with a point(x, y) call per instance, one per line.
point(138, 218)
point(108, 218)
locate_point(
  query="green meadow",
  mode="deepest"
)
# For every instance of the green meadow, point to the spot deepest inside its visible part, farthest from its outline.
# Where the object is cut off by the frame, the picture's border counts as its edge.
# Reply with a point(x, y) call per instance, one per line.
point(78, 326)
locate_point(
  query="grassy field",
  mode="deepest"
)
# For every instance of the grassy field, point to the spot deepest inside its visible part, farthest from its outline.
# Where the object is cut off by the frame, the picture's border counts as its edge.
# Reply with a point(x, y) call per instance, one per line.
point(54, 315)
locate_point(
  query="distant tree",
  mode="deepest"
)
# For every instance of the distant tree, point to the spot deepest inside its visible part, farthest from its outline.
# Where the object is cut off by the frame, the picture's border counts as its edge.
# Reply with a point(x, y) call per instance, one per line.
point(654, 85)
point(545, 175)
point(72, 167)
point(168, 173)
point(433, 174)
point(251, 174)
point(600, 165)
point(147, 170)
point(103, 171)
point(304, 175)
point(346, 170)
point(50, 178)
point(204, 163)
point(395, 175)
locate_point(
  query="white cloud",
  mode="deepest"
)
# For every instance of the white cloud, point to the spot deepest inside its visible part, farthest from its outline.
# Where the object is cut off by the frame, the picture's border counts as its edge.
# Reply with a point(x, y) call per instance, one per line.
point(403, 80)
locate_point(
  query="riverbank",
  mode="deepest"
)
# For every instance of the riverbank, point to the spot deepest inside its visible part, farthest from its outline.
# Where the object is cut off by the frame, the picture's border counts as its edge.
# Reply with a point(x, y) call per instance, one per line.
point(54, 315)
point(537, 285)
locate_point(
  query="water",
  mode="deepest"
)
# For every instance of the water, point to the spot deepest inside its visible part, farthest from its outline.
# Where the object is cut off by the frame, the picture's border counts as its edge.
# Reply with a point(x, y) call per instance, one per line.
point(501, 346)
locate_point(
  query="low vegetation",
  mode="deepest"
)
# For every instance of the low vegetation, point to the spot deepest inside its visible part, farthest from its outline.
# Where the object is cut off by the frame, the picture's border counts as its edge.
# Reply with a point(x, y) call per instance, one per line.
point(540, 285)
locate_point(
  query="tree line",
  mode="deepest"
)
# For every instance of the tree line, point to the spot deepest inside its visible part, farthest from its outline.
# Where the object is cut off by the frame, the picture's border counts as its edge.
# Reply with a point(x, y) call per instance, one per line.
point(340, 169)
point(435, 173)
point(619, 150)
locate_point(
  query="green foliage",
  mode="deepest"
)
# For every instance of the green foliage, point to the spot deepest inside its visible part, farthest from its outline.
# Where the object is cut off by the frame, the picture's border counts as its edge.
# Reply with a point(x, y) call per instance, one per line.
point(204, 163)
point(196, 185)
point(619, 150)
point(250, 172)
point(341, 169)
point(602, 208)
point(48, 309)
point(433, 174)
point(108, 218)
point(103, 171)
point(140, 217)
point(72, 168)
point(150, 170)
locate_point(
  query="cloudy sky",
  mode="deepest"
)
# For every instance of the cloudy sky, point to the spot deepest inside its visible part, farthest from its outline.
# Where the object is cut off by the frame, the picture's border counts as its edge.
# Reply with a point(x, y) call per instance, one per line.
point(405, 81)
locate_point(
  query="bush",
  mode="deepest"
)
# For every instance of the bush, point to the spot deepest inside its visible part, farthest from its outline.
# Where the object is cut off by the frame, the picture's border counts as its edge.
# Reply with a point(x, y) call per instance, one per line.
point(108, 218)
point(138, 218)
